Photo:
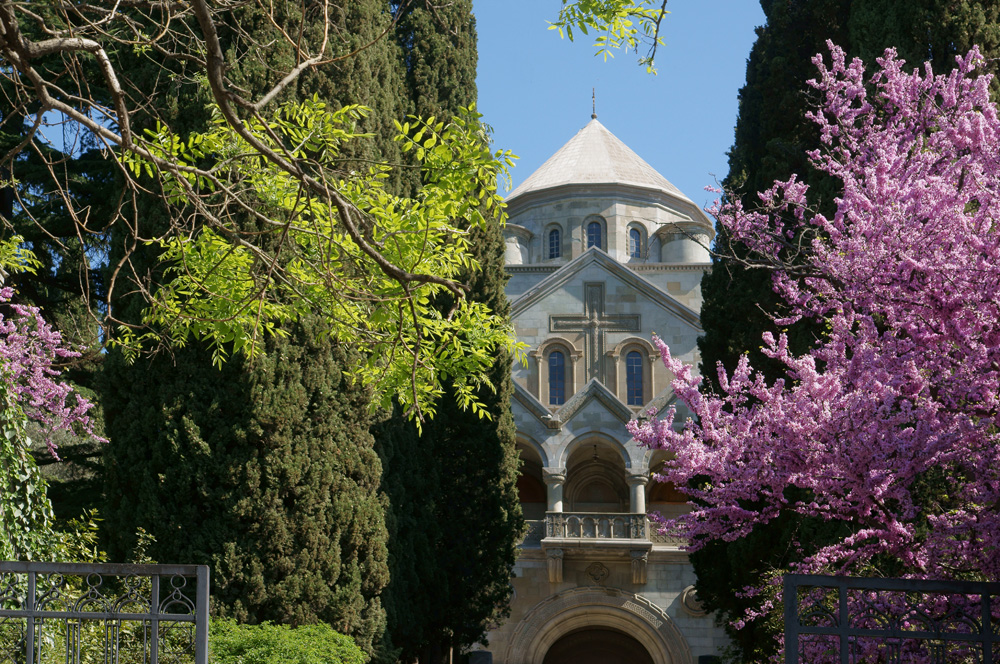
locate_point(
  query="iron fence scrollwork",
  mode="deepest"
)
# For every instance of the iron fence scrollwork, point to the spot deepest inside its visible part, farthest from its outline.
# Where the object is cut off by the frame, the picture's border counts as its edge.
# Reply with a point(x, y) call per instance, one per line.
point(75, 613)
point(848, 620)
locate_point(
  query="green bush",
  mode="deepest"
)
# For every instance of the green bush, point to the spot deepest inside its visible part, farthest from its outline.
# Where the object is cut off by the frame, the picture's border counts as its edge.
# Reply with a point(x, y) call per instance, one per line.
point(232, 643)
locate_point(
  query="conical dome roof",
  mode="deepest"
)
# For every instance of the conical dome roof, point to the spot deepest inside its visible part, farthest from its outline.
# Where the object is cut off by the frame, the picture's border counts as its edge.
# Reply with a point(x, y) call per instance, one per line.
point(596, 156)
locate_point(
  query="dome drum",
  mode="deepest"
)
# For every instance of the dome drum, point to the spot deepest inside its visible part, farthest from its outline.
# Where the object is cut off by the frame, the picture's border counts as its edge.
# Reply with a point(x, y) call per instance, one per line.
point(684, 243)
point(517, 241)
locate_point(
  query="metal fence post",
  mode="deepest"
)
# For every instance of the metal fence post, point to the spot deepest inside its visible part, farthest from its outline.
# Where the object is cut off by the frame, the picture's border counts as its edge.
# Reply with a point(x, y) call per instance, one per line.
point(201, 617)
point(30, 634)
point(790, 598)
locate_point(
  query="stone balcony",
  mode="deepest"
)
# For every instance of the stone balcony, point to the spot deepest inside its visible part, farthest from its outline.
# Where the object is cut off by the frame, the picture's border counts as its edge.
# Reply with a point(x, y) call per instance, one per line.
point(613, 534)
point(595, 525)
point(575, 528)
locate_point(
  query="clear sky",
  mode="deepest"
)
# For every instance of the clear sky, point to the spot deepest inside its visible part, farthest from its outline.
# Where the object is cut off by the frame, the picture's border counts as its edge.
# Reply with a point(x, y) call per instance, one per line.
point(535, 89)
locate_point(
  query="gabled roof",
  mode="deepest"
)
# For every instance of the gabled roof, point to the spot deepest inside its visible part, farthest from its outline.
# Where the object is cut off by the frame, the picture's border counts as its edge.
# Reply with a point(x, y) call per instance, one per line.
point(596, 156)
point(567, 272)
point(594, 390)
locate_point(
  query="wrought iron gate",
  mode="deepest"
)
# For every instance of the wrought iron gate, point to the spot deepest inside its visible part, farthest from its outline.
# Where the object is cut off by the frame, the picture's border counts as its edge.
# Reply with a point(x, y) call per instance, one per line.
point(850, 620)
point(68, 613)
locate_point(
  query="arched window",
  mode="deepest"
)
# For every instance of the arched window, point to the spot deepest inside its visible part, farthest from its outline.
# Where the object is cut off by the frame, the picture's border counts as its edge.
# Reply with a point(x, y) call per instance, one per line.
point(634, 243)
point(557, 378)
point(594, 238)
point(633, 378)
point(555, 243)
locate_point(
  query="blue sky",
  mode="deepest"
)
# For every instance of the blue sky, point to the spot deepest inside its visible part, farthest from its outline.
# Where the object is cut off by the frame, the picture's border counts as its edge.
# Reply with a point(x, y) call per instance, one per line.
point(535, 89)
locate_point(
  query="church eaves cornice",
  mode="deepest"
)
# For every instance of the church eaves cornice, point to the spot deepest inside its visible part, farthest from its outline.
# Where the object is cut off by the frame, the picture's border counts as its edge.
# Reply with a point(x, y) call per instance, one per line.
point(684, 208)
point(541, 268)
point(534, 406)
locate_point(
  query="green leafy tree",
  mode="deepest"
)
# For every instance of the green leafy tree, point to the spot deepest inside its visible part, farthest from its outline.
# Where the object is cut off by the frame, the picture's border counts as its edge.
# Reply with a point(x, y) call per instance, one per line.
point(772, 136)
point(453, 514)
point(331, 235)
point(627, 25)
point(264, 468)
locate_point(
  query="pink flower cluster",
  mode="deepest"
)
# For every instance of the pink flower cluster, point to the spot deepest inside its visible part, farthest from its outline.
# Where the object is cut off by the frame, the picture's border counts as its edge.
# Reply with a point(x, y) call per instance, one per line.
point(29, 348)
point(905, 386)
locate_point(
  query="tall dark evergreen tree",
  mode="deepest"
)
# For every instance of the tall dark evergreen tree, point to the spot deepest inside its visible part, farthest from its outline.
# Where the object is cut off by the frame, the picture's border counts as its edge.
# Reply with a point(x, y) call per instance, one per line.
point(454, 517)
point(265, 471)
point(772, 136)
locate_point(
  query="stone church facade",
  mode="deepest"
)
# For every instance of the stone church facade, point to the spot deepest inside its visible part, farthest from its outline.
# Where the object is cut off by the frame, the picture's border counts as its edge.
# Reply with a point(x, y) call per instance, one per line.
point(602, 251)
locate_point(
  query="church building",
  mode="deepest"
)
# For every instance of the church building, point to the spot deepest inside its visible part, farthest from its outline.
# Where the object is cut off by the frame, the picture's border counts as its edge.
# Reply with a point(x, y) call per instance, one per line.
point(602, 252)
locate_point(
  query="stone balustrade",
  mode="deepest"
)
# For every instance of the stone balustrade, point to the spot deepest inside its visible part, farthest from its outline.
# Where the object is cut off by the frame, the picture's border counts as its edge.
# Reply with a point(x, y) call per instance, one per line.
point(670, 540)
point(596, 525)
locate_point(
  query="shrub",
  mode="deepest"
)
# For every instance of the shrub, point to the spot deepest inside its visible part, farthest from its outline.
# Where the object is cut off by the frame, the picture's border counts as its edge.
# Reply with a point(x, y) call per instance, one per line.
point(232, 643)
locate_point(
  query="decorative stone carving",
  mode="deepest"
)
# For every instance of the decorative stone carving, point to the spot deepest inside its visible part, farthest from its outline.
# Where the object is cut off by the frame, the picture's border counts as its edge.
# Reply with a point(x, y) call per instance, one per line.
point(691, 603)
point(554, 559)
point(554, 475)
point(598, 572)
point(639, 564)
point(594, 324)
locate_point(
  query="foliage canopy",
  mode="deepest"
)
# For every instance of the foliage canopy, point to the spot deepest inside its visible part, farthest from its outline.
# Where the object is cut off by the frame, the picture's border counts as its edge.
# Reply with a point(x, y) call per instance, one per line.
point(329, 238)
point(886, 428)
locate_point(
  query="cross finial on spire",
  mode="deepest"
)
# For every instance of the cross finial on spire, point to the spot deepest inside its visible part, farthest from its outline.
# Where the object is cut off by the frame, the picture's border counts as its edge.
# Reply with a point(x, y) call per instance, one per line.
point(593, 103)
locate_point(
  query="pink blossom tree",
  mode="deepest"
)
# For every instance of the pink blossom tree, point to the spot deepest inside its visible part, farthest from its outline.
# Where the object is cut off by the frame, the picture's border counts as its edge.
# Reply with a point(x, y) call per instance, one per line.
point(889, 425)
point(29, 390)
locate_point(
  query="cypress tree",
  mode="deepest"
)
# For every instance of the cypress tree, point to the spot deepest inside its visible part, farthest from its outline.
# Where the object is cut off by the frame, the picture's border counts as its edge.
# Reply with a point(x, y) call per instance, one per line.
point(772, 136)
point(265, 471)
point(454, 517)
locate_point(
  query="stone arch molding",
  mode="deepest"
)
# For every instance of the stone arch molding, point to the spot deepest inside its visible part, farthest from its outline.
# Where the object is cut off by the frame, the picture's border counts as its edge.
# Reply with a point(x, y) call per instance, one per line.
point(600, 607)
point(589, 438)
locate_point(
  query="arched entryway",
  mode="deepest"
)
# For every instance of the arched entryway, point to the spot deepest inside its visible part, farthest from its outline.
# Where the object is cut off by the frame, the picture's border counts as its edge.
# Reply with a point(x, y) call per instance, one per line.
point(597, 646)
point(595, 609)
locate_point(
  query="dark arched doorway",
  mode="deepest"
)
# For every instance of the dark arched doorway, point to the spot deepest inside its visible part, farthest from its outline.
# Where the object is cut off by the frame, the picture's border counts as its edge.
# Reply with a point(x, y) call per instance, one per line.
point(597, 646)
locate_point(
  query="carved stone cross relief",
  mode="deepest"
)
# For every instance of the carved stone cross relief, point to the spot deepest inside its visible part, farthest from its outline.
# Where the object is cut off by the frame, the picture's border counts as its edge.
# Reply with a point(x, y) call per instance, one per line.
point(594, 324)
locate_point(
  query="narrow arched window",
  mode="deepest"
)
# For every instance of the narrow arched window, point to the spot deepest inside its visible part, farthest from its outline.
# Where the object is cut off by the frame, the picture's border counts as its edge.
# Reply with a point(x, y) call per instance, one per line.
point(555, 243)
point(633, 378)
point(557, 378)
point(594, 235)
point(635, 243)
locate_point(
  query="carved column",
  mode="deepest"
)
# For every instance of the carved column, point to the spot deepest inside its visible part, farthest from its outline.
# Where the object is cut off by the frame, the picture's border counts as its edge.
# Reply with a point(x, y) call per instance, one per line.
point(613, 359)
point(639, 561)
point(637, 490)
point(554, 478)
point(535, 377)
point(554, 559)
